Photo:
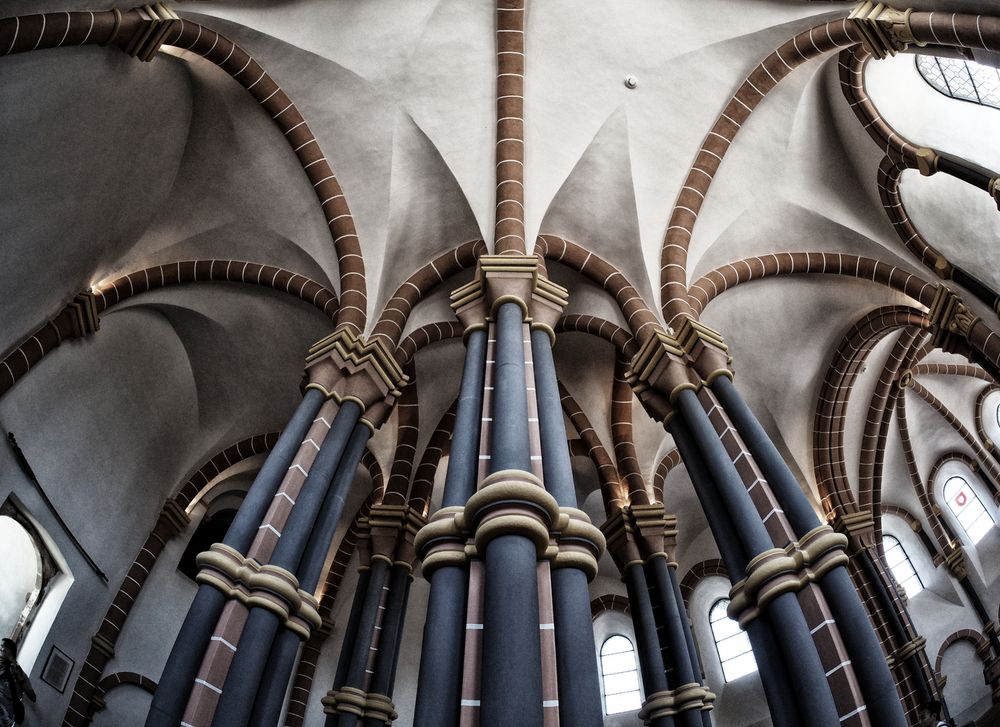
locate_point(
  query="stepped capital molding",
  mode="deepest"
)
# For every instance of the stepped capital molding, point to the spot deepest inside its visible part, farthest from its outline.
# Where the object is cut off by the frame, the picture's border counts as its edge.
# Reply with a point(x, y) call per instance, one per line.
point(885, 31)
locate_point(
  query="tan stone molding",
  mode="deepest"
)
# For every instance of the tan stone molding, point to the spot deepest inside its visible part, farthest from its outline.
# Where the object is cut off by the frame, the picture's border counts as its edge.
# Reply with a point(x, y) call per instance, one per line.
point(904, 652)
point(927, 161)
point(156, 21)
point(658, 373)
point(346, 368)
point(951, 321)
point(350, 700)
point(885, 31)
point(669, 702)
point(392, 530)
point(639, 533)
point(859, 529)
point(259, 586)
point(777, 571)
point(516, 279)
point(954, 558)
point(706, 350)
point(83, 314)
point(510, 502)
point(174, 518)
point(103, 646)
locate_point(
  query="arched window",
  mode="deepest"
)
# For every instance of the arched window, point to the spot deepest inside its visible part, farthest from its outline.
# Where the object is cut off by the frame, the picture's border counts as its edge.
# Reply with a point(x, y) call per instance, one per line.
point(900, 565)
point(961, 79)
point(731, 642)
point(620, 676)
point(967, 508)
point(26, 570)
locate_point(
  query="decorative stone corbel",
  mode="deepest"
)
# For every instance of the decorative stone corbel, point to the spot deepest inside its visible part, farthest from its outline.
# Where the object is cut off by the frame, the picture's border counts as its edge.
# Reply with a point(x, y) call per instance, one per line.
point(82, 313)
point(954, 558)
point(884, 31)
point(658, 373)
point(638, 533)
point(173, 520)
point(706, 350)
point(345, 368)
point(951, 321)
point(156, 20)
point(259, 586)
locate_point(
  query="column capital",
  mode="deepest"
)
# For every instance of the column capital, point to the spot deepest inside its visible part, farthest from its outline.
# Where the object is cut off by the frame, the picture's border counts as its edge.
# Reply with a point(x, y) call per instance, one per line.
point(658, 373)
point(173, 519)
point(637, 533)
point(516, 279)
point(859, 527)
point(82, 313)
point(347, 368)
point(927, 161)
point(580, 543)
point(392, 530)
point(706, 350)
point(954, 558)
point(670, 702)
point(156, 20)
point(884, 31)
point(951, 321)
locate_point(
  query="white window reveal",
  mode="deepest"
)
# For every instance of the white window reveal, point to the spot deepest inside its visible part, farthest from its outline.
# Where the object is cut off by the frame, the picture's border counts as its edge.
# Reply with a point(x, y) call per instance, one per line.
point(967, 508)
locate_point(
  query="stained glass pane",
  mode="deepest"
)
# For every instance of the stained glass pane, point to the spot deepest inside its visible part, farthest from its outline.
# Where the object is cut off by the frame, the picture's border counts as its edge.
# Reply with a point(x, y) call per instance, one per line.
point(967, 508)
point(962, 79)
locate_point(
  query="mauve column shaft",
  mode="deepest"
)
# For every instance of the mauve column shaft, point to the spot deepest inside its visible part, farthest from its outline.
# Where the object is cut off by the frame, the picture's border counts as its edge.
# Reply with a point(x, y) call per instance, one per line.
point(877, 684)
point(174, 687)
point(439, 685)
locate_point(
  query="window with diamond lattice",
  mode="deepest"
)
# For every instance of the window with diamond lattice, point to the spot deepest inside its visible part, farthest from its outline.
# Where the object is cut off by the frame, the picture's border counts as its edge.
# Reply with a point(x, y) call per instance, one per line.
point(620, 676)
point(900, 565)
point(731, 642)
point(967, 508)
point(961, 79)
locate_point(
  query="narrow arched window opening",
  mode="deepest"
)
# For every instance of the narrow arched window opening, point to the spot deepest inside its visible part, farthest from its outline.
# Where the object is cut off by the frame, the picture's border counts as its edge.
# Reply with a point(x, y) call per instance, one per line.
point(26, 571)
point(967, 508)
point(900, 566)
point(961, 79)
point(619, 676)
point(731, 642)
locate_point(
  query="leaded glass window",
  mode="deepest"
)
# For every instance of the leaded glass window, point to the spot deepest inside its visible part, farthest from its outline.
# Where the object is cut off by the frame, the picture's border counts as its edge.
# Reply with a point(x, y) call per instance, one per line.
point(962, 79)
point(967, 508)
point(731, 642)
point(901, 567)
point(620, 676)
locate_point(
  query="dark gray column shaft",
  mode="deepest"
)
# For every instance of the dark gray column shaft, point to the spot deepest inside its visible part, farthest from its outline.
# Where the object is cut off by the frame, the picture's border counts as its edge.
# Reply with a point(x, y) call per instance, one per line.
point(243, 679)
point(654, 677)
point(509, 444)
point(770, 663)
point(358, 663)
point(706, 716)
point(174, 687)
point(676, 644)
point(392, 628)
point(350, 636)
point(439, 686)
point(576, 662)
point(877, 684)
point(274, 684)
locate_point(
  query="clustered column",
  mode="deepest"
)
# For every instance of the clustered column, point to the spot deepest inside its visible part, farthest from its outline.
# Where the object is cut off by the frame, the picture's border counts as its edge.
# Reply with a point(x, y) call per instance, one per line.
point(819, 660)
point(509, 542)
point(231, 662)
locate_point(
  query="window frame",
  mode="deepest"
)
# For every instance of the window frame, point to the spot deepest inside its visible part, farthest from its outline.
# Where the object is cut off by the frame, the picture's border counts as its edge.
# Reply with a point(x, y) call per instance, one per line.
point(897, 543)
point(634, 670)
point(956, 519)
point(723, 604)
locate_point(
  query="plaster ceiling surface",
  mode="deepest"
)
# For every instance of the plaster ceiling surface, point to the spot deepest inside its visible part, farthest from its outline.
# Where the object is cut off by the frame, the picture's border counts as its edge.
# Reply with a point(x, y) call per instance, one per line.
point(113, 166)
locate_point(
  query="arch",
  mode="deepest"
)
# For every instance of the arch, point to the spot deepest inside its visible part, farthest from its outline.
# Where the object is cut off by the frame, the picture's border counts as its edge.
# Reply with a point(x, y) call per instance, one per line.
point(619, 676)
point(23, 573)
point(698, 573)
point(731, 643)
point(609, 602)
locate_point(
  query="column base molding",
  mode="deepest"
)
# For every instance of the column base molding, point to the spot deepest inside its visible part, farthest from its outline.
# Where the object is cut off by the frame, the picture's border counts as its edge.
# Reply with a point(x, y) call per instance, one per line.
point(670, 702)
point(350, 700)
